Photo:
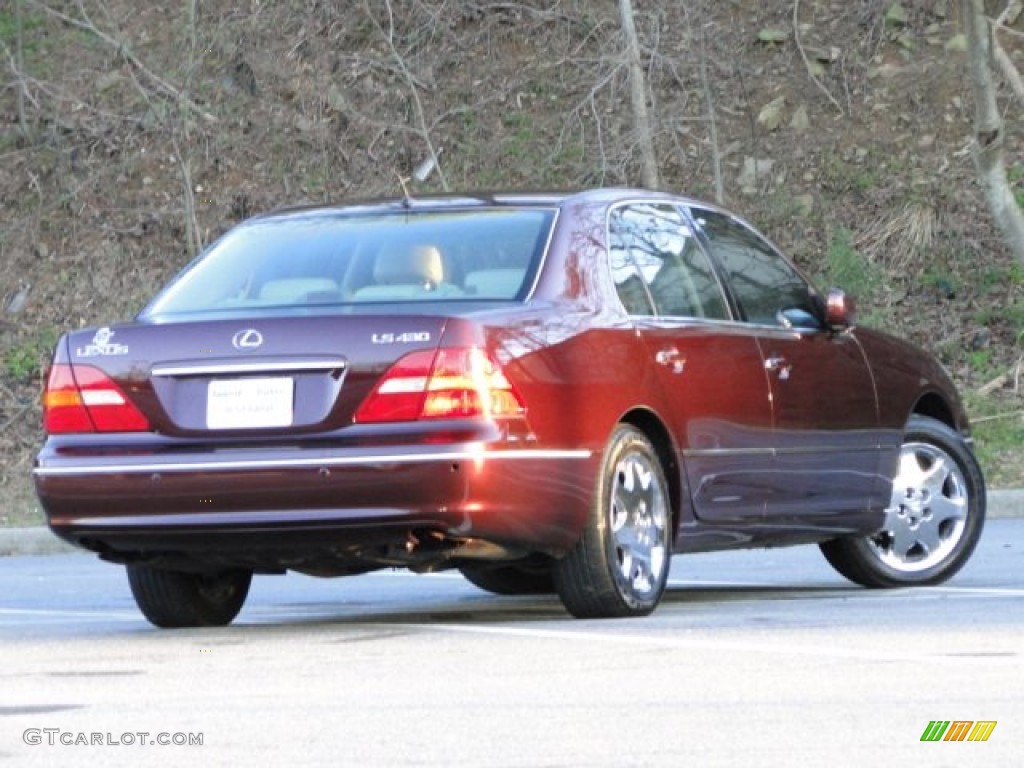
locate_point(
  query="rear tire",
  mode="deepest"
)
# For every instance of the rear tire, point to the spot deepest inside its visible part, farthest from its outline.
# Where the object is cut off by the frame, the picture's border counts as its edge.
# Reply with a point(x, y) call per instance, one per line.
point(170, 599)
point(934, 519)
point(619, 567)
point(510, 579)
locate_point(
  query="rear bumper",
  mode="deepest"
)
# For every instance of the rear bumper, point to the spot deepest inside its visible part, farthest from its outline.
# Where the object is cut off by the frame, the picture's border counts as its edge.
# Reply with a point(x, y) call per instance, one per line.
point(357, 506)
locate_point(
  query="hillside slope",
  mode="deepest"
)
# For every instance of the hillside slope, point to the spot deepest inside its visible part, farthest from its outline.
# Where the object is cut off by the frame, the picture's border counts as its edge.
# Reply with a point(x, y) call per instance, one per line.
point(131, 135)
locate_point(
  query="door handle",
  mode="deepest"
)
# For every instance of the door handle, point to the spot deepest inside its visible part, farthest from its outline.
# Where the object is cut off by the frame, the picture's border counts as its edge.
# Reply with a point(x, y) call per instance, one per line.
point(779, 366)
point(671, 359)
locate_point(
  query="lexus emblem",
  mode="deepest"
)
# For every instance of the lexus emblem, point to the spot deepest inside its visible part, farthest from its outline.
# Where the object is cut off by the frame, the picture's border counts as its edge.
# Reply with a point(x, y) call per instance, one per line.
point(250, 338)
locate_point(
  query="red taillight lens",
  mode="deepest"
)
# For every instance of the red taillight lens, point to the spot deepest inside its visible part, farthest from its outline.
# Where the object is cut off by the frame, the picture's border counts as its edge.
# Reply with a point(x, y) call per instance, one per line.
point(399, 395)
point(461, 383)
point(63, 410)
point(84, 399)
point(466, 383)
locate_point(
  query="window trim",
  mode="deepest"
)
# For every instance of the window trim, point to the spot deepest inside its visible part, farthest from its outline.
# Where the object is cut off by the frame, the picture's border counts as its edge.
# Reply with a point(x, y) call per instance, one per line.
point(152, 312)
point(693, 209)
point(681, 208)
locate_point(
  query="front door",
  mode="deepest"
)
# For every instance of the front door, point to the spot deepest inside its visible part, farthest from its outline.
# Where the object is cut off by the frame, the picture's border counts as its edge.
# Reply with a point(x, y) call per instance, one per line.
point(824, 407)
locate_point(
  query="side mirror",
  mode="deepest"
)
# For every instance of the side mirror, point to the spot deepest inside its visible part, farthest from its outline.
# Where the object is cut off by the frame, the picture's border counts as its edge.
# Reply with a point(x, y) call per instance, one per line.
point(798, 318)
point(840, 310)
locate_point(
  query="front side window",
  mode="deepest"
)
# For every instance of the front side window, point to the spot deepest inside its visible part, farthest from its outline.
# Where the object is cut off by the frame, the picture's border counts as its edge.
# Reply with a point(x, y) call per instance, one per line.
point(658, 265)
point(768, 289)
point(323, 260)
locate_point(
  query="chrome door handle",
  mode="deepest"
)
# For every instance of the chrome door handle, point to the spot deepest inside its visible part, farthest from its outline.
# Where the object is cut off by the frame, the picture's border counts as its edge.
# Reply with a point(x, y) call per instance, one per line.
point(670, 358)
point(779, 366)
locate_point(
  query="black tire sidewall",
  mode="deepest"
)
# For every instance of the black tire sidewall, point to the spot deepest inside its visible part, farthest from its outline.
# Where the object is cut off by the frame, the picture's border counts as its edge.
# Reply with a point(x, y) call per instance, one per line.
point(625, 440)
point(175, 599)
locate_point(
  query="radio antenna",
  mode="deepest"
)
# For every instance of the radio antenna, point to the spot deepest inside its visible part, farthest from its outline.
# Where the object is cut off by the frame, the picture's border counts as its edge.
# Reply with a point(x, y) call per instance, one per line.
point(406, 195)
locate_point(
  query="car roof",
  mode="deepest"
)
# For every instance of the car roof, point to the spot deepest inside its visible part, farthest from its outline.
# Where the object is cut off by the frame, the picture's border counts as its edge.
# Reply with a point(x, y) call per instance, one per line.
point(433, 202)
point(481, 200)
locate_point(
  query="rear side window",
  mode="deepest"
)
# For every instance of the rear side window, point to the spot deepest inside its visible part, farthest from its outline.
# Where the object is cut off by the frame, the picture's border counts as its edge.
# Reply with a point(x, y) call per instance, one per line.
point(323, 259)
point(658, 266)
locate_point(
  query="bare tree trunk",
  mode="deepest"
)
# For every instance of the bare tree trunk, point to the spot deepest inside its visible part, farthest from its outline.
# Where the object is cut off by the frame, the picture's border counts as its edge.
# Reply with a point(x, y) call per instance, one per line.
point(193, 234)
point(192, 12)
point(638, 94)
point(19, 53)
point(988, 131)
point(709, 105)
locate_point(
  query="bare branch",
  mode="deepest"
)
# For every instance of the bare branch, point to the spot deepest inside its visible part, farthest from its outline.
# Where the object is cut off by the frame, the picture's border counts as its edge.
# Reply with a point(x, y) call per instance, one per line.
point(1010, 13)
point(388, 67)
point(709, 102)
point(600, 140)
point(17, 415)
point(1002, 59)
point(22, 80)
point(122, 50)
point(423, 131)
point(998, 416)
point(193, 236)
point(807, 62)
point(1009, 70)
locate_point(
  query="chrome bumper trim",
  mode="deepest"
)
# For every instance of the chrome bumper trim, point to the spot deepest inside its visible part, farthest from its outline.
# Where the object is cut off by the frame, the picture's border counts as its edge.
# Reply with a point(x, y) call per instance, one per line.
point(210, 369)
point(236, 465)
point(250, 518)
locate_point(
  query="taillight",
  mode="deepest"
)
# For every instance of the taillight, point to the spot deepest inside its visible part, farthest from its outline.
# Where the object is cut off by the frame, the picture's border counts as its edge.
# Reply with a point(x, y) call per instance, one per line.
point(459, 383)
point(84, 399)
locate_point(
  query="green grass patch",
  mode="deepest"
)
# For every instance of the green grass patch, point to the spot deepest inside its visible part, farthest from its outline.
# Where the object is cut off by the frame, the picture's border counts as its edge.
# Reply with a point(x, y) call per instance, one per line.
point(943, 282)
point(1015, 175)
point(980, 361)
point(998, 430)
point(27, 360)
point(30, 22)
point(849, 269)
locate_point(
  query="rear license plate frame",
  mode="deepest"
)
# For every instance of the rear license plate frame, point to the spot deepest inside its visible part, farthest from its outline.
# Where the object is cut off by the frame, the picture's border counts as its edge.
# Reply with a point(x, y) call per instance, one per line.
point(264, 402)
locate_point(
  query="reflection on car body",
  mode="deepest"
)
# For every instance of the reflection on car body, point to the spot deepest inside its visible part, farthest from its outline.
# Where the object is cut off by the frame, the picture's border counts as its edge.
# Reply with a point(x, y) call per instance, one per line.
point(549, 392)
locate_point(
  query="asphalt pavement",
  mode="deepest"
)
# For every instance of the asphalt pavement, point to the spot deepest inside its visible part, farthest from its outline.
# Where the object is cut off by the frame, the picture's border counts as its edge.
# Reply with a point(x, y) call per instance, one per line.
point(760, 658)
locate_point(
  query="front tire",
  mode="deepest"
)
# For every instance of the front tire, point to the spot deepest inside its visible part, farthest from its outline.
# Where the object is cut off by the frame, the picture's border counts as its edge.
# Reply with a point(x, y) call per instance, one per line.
point(619, 567)
point(934, 519)
point(171, 599)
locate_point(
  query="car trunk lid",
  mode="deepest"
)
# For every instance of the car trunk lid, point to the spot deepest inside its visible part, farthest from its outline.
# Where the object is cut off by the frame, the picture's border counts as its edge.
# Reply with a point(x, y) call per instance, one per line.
point(284, 374)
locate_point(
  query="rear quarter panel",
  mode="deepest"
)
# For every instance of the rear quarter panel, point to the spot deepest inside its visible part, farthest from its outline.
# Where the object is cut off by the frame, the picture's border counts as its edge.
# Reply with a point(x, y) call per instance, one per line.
point(571, 349)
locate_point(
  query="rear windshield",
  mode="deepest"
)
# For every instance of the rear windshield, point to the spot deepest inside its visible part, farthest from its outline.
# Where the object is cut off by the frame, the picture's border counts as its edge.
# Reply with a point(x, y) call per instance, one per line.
point(322, 260)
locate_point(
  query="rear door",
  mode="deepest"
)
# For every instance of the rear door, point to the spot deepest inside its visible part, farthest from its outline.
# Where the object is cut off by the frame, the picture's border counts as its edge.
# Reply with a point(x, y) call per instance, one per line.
point(707, 368)
point(825, 414)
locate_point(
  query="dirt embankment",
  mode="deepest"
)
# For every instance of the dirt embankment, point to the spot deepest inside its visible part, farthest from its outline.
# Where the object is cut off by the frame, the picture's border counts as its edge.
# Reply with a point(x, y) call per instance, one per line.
point(130, 135)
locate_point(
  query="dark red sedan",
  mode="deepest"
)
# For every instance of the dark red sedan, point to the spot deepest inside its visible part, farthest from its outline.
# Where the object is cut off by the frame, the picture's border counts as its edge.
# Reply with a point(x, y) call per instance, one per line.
point(551, 393)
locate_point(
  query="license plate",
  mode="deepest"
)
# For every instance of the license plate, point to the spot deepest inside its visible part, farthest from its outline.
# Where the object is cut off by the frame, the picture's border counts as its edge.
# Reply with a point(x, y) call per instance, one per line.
point(249, 403)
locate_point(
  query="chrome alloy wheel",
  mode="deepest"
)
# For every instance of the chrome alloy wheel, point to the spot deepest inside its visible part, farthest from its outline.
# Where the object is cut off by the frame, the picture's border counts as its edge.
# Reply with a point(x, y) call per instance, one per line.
point(619, 566)
point(927, 515)
point(638, 517)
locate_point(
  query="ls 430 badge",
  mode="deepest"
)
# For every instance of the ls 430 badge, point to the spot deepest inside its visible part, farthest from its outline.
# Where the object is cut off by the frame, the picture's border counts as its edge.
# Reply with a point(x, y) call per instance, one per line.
point(408, 337)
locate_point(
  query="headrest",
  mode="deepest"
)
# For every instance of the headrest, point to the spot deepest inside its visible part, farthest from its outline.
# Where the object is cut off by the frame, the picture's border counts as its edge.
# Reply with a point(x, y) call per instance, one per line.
point(409, 264)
